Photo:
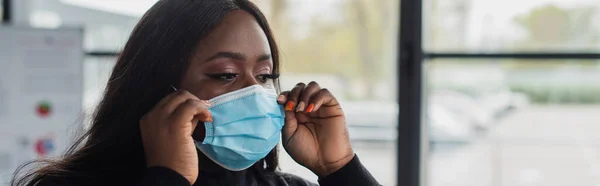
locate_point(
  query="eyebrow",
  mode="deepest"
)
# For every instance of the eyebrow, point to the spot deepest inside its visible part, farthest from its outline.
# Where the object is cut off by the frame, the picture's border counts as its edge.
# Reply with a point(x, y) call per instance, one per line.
point(237, 56)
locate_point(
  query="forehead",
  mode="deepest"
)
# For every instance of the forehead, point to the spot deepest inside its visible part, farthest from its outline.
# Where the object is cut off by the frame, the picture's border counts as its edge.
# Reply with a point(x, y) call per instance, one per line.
point(237, 32)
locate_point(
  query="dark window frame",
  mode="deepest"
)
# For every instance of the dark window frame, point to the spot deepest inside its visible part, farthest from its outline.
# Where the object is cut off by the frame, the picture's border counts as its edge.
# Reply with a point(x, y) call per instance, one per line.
point(6, 11)
point(411, 57)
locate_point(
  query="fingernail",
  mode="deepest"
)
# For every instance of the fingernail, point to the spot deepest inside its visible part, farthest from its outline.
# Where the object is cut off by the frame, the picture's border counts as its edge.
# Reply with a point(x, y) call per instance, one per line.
point(300, 107)
point(289, 106)
point(310, 107)
point(209, 118)
point(205, 102)
point(281, 98)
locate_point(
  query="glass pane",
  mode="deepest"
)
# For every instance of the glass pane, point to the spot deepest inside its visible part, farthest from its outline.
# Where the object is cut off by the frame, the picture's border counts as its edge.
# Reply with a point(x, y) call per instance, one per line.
point(1, 9)
point(96, 71)
point(513, 122)
point(107, 24)
point(511, 25)
point(349, 48)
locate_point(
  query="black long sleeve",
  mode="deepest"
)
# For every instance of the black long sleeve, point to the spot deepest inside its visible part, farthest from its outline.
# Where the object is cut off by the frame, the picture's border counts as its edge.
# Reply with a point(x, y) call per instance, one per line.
point(161, 176)
point(353, 173)
point(154, 176)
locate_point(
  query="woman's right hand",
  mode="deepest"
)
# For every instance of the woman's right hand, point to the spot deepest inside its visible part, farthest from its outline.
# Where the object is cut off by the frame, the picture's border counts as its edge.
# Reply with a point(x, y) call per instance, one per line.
point(167, 133)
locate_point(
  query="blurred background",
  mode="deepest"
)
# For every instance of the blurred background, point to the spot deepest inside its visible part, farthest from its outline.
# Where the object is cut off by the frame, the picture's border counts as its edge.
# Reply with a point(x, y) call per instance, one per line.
point(490, 121)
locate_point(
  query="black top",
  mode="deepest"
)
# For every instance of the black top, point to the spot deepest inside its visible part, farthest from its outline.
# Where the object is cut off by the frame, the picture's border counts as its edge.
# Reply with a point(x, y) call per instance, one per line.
point(353, 173)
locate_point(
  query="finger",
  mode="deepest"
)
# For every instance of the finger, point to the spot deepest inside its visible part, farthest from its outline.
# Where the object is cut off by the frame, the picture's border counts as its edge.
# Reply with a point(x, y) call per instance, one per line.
point(208, 104)
point(293, 96)
point(307, 93)
point(282, 97)
point(322, 98)
point(290, 126)
point(189, 111)
point(194, 125)
point(180, 97)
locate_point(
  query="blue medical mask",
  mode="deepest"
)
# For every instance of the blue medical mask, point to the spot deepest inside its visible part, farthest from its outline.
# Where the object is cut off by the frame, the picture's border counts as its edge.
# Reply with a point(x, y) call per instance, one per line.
point(246, 127)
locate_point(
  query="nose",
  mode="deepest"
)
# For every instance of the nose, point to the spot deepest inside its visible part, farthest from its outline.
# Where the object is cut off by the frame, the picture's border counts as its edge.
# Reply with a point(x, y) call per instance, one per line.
point(248, 79)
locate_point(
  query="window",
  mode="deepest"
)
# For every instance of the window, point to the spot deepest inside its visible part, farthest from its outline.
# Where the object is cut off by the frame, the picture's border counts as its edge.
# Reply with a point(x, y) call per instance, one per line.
point(511, 121)
point(96, 72)
point(347, 46)
point(501, 122)
point(106, 25)
point(1, 9)
point(511, 25)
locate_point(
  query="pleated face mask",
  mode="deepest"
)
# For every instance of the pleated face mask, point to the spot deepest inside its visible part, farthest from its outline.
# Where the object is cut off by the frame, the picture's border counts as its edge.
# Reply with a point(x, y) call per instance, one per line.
point(246, 126)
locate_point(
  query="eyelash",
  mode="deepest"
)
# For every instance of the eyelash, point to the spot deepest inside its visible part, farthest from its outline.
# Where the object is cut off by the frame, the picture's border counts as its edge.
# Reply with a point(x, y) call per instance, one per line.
point(230, 76)
point(268, 77)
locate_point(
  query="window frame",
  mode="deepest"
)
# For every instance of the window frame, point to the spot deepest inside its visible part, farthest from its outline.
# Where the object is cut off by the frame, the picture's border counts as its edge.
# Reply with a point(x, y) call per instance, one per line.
point(6, 11)
point(411, 56)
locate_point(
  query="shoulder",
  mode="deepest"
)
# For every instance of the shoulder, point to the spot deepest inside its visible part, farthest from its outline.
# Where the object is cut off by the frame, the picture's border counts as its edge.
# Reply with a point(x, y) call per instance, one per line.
point(293, 180)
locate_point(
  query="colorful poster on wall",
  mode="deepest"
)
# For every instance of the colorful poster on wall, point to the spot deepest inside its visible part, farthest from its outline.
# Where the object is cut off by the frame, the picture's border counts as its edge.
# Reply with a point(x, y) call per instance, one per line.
point(41, 89)
point(43, 109)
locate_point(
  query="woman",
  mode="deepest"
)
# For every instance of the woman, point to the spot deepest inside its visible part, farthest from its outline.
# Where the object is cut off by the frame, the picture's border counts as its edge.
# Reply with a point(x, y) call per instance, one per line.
point(213, 63)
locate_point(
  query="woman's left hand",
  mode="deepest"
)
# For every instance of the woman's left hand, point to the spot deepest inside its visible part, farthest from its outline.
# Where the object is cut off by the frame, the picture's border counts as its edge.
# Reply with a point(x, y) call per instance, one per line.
point(315, 133)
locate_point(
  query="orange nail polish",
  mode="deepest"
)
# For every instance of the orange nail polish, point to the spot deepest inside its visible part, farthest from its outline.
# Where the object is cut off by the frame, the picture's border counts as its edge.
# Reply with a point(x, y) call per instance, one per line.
point(310, 107)
point(289, 106)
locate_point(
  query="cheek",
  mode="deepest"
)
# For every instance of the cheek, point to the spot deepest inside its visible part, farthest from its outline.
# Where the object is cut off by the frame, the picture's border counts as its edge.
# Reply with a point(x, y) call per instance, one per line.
point(204, 90)
point(200, 86)
point(209, 92)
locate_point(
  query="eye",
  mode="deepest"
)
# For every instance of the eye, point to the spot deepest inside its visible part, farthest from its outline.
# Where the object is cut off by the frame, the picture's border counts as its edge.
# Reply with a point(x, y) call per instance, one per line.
point(223, 76)
point(264, 78)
